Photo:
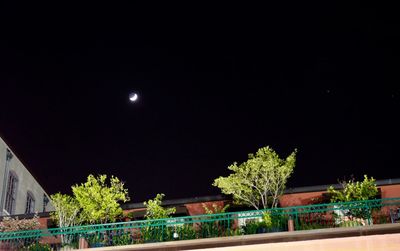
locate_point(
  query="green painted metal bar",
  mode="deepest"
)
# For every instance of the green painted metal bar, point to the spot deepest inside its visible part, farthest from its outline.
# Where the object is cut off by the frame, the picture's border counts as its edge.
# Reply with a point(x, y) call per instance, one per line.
point(343, 214)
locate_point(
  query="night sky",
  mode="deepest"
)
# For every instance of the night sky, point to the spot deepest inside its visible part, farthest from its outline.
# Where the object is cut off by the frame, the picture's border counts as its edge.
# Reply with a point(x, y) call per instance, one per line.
point(214, 84)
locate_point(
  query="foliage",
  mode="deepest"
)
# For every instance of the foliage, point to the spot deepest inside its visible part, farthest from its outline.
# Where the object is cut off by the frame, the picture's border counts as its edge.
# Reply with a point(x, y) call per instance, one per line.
point(215, 209)
point(156, 231)
point(351, 223)
point(315, 220)
point(67, 210)
point(251, 227)
point(279, 221)
point(186, 232)
point(39, 247)
point(234, 232)
point(99, 200)
point(312, 225)
point(122, 239)
point(260, 179)
point(352, 191)
point(154, 210)
point(96, 239)
point(355, 191)
point(215, 227)
point(267, 219)
point(211, 229)
point(381, 218)
point(9, 224)
point(267, 223)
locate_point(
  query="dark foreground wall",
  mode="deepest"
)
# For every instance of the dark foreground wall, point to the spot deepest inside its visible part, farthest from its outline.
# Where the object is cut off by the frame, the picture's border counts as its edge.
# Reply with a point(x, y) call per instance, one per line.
point(384, 234)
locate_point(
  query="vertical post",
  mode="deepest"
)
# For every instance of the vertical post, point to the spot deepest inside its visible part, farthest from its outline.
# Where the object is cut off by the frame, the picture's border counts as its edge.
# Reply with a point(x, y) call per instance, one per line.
point(229, 222)
point(9, 156)
point(290, 224)
point(162, 229)
point(83, 242)
point(292, 215)
point(369, 214)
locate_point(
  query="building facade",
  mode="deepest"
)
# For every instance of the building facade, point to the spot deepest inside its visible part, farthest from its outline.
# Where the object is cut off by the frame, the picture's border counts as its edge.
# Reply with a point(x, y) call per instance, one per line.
point(20, 192)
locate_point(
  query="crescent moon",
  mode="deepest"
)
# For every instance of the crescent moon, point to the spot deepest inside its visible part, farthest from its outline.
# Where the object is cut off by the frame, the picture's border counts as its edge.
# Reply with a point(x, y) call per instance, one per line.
point(133, 97)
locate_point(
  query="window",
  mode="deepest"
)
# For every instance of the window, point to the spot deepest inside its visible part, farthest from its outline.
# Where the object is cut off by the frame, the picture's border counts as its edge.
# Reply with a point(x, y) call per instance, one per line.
point(30, 203)
point(11, 193)
point(45, 202)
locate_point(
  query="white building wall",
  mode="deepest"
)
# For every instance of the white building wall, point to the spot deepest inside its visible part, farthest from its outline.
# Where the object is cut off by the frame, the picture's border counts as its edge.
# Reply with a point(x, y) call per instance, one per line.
point(26, 182)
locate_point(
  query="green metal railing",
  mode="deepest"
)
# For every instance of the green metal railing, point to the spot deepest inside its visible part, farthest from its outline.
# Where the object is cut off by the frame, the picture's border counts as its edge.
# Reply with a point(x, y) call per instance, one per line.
point(346, 214)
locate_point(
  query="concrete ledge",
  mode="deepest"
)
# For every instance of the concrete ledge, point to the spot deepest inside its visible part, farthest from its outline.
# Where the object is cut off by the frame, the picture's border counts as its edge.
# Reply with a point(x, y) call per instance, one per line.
point(263, 238)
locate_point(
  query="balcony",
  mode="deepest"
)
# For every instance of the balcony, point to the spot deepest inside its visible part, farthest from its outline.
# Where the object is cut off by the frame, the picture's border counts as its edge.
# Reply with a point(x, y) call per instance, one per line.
point(358, 214)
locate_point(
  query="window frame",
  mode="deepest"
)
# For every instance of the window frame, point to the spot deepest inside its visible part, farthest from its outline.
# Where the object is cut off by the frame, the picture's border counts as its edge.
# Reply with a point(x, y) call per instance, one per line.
point(30, 203)
point(11, 193)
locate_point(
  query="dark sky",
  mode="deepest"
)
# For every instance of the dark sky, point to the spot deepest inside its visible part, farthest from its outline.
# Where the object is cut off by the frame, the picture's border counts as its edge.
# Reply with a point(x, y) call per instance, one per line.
point(215, 84)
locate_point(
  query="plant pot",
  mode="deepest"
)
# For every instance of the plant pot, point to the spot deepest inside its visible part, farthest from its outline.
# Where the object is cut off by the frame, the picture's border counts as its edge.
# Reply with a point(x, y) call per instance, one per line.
point(261, 230)
point(275, 229)
point(97, 245)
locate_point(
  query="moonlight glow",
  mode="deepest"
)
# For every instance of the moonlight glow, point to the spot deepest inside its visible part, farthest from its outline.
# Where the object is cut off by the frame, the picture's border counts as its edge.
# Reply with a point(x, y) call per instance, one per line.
point(133, 97)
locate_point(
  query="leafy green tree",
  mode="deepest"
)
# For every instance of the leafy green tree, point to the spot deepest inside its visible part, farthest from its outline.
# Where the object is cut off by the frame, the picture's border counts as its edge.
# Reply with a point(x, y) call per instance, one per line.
point(66, 214)
point(67, 210)
point(99, 199)
point(154, 210)
point(260, 180)
point(352, 190)
point(355, 191)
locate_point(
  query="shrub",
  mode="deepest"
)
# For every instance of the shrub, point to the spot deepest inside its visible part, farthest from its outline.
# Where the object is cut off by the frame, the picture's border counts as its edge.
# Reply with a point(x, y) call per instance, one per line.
point(39, 247)
point(122, 239)
point(352, 191)
point(9, 224)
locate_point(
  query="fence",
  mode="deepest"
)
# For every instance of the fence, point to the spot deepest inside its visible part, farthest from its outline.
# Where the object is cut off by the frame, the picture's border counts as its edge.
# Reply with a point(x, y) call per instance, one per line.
point(357, 213)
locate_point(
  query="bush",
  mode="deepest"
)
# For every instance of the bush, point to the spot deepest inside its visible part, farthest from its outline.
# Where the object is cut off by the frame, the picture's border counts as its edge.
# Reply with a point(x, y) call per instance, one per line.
point(351, 223)
point(122, 239)
point(251, 227)
point(353, 191)
point(215, 227)
point(185, 232)
point(9, 224)
point(267, 223)
point(39, 247)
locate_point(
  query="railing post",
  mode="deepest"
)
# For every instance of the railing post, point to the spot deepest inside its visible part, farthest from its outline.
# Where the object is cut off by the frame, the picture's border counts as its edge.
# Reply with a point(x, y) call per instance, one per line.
point(290, 221)
point(369, 213)
point(290, 224)
point(83, 242)
point(229, 221)
point(162, 229)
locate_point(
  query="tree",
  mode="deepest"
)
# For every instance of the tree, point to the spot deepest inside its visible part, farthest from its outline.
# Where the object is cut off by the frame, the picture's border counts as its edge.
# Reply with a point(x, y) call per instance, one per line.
point(154, 210)
point(259, 180)
point(99, 200)
point(355, 191)
point(66, 213)
point(67, 210)
point(352, 191)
